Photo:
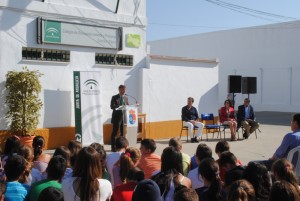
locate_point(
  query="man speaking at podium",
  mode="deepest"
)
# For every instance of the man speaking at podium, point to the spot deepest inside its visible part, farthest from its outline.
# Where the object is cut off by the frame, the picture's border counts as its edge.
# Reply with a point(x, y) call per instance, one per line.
point(117, 115)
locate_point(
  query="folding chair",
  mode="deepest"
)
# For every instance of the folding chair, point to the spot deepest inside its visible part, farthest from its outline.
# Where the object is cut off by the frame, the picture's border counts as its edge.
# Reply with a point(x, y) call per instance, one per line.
point(295, 160)
point(209, 125)
point(243, 130)
point(187, 130)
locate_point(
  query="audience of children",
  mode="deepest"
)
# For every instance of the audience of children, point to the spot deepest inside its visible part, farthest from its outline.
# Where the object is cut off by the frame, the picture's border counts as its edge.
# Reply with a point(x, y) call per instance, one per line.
point(90, 174)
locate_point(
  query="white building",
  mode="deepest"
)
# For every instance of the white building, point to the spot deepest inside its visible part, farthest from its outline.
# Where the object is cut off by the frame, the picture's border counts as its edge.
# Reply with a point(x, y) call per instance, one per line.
point(161, 81)
point(92, 36)
point(270, 53)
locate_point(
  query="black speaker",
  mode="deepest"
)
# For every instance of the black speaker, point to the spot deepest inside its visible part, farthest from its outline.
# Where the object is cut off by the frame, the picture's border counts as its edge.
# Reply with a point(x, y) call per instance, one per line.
point(234, 83)
point(249, 85)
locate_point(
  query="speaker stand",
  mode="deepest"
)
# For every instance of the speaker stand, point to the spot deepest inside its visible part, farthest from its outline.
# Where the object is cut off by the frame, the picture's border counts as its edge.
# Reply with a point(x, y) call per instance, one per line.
point(233, 100)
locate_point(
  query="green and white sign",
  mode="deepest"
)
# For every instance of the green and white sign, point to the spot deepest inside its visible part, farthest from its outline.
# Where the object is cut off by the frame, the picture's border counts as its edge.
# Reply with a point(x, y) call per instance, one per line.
point(87, 103)
point(133, 40)
point(79, 34)
point(52, 32)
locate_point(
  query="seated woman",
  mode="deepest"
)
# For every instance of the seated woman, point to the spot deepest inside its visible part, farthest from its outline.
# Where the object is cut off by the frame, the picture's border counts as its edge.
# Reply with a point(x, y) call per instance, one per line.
point(227, 117)
point(258, 175)
point(87, 183)
point(40, 160)
point(170, 179)
point(127, 161)
point(213, 187)
point(31, 174)
point(284, 190)
point(241, 190)
point(283, 169)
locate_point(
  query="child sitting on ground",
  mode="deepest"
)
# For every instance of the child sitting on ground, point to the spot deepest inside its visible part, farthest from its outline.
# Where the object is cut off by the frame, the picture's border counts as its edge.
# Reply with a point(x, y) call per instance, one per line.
point(14, 169)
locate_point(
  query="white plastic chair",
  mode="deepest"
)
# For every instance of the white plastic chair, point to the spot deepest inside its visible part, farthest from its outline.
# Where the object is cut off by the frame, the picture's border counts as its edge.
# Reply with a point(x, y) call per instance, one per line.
point(290, 157)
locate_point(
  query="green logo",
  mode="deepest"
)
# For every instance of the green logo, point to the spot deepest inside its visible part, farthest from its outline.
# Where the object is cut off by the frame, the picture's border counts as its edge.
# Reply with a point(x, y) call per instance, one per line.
point(133, 40)
point(52, 31)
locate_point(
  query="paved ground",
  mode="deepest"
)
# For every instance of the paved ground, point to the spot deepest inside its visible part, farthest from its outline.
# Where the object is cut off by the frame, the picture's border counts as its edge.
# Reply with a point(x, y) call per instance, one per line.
point(273, 126)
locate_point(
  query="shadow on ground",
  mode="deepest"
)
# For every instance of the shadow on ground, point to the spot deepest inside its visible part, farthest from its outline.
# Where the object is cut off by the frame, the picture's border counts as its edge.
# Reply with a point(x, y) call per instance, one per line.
point(274, 118)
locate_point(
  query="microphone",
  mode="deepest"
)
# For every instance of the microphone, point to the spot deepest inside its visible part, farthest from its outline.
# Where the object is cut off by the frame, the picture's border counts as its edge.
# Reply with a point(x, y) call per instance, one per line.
point(136, 102)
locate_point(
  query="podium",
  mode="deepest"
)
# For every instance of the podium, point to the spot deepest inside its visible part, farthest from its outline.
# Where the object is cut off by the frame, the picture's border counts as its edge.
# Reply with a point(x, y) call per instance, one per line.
point(130, 123)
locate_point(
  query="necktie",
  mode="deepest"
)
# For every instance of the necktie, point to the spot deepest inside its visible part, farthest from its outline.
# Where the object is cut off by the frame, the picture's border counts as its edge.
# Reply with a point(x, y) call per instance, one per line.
point(122, 101)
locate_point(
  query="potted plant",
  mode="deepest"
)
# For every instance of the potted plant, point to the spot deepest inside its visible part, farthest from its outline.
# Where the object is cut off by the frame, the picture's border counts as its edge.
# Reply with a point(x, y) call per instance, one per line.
point(23, 88)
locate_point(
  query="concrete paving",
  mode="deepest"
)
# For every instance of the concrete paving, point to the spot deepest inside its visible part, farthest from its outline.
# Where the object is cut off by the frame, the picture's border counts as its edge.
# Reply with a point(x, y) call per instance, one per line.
point(273, 126)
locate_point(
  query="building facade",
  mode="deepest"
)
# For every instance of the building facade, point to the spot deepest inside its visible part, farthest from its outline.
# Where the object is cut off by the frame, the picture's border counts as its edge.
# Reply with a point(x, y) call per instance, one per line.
point(269, 53)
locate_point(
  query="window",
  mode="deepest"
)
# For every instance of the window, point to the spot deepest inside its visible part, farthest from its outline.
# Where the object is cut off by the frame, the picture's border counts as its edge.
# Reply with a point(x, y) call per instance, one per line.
point(114, 59)
point(45, 54)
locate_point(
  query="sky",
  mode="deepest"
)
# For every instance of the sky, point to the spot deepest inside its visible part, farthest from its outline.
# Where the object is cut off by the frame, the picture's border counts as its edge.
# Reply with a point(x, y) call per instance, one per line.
point(174, 18)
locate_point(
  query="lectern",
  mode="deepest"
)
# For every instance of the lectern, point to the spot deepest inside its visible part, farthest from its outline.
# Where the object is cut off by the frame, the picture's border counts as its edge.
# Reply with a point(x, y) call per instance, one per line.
point(130, 123)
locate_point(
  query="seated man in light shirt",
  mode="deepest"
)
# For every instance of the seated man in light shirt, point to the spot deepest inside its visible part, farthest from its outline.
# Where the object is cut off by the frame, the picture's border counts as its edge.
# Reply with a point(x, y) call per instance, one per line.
point(190, 117)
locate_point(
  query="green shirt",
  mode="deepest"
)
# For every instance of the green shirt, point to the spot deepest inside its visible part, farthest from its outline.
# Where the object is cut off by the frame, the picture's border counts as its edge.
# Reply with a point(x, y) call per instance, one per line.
point(38, 187)
point(186, 161)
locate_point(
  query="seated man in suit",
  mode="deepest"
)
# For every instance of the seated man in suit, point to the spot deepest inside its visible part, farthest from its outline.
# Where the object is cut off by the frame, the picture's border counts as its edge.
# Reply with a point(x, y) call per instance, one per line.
point(190, 117)
point(246, 118)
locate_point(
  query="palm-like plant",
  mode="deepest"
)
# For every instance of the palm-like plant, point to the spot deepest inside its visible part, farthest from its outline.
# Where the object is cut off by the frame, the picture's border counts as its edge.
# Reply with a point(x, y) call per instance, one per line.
point(23, 101)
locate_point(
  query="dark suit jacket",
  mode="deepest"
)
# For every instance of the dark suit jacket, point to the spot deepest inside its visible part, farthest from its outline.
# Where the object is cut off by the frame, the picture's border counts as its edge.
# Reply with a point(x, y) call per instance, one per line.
point(187, 114)
point(117, 115)
point(241, 114)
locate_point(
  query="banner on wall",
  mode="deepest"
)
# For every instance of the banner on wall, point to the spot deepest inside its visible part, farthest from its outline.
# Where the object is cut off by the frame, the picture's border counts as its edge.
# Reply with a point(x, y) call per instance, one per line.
point(87, 103)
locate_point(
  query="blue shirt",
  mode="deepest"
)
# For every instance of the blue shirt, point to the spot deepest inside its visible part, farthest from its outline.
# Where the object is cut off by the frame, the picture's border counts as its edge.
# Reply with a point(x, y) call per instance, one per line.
point(193, 162)
point(290, 141)
point(15, 191)
point(247, 112)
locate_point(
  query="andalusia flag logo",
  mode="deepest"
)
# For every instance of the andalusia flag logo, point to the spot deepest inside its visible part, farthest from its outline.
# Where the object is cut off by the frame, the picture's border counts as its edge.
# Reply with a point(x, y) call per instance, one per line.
point(52, 31)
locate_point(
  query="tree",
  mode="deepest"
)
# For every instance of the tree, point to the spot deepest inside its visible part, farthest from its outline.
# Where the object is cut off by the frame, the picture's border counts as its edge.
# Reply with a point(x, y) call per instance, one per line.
point(23, 101)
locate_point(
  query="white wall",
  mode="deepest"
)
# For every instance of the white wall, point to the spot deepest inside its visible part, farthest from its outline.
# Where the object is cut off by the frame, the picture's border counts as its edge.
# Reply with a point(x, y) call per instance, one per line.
point(18, 29)
point(270, 53)
point(168, 83)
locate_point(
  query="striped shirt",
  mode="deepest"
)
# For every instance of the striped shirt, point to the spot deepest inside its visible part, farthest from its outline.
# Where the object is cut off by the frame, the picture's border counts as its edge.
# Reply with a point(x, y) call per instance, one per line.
point(15, 191)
